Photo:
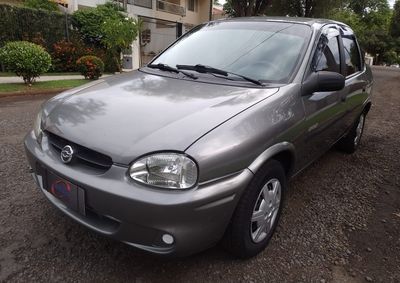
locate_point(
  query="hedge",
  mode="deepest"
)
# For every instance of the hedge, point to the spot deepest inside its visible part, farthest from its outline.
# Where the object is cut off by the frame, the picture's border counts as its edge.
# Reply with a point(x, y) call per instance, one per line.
point(37, 26)
point(48, 29)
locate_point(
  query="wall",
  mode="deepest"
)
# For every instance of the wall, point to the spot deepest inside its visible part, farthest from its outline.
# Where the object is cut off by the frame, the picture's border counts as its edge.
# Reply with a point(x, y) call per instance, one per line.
point(191, 18)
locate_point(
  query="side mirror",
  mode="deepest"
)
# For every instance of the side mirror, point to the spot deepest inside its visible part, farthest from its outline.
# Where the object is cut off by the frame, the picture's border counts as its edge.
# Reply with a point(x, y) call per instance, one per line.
point(323, 81)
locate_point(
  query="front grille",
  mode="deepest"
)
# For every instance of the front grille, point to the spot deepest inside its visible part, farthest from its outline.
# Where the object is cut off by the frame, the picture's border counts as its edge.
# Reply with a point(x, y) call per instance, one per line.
point(83, 155)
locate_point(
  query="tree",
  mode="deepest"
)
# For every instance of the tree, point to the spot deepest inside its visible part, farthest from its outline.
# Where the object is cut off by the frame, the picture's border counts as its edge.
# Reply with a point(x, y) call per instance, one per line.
point(391, 57)
point(375, 36)
point(395, 23)
point(88, 21)
point(364, 7)
point(106, 26)
point(295, 8)
point(246, 8)
point(118, 35)
point(370, 19)
point(304, 8)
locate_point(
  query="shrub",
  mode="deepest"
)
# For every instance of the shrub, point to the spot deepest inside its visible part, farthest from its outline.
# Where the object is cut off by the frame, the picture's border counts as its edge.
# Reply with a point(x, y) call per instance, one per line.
point(91, 67)
point(25, 59)
point(66, 53)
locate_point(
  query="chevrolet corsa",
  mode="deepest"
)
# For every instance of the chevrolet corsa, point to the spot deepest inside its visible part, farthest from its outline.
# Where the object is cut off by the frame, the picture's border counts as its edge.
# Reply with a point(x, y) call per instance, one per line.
point(197, 147)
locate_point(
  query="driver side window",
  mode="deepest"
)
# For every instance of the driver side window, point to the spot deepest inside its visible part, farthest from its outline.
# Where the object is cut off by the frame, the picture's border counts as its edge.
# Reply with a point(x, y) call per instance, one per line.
point(330, 57)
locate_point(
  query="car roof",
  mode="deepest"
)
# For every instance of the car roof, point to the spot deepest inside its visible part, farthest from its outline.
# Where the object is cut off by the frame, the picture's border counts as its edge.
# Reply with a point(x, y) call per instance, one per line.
point(312, 22)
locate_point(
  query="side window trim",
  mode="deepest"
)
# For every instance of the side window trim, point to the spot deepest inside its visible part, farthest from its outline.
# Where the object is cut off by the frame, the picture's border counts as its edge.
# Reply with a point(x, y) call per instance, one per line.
point(342, 56)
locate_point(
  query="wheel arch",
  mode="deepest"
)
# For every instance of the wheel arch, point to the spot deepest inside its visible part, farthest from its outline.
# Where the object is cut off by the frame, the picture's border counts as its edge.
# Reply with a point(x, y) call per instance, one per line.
point(283, 152)
point(367, 107)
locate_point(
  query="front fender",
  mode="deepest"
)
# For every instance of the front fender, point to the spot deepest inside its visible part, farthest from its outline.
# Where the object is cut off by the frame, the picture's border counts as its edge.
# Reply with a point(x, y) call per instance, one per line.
point(271, 152)
point(250, 137)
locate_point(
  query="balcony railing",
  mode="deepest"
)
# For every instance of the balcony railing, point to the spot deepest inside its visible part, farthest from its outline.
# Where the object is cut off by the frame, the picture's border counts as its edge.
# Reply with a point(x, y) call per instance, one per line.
point(143, 3)
point(170, 8)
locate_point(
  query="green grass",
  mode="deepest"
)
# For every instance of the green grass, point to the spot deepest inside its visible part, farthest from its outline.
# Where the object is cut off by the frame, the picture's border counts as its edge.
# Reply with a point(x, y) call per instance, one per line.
point(10, 74)
point(39, 86)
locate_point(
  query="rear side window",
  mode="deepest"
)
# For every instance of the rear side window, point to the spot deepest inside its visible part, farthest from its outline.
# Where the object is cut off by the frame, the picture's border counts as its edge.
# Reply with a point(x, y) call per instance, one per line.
point(330, 57)
point(352, 56)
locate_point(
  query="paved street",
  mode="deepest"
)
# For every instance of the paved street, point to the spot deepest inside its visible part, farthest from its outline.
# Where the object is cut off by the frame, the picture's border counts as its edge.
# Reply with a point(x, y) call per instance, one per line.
point(341, 221)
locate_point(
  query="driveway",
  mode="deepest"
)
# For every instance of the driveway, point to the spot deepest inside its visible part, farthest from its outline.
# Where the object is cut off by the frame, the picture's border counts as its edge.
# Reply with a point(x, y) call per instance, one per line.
point(341, 221)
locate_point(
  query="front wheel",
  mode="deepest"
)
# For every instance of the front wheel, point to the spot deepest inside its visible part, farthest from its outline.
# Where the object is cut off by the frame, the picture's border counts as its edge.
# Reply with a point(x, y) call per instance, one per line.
point(258, 211)
point(351, 141)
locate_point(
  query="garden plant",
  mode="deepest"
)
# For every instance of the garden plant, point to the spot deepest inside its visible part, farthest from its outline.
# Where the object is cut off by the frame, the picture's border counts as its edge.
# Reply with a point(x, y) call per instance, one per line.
point(25, 59)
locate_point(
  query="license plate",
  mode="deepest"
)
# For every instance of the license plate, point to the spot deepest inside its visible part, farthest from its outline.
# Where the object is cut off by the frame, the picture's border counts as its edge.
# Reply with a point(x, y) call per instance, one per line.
point(63, 190)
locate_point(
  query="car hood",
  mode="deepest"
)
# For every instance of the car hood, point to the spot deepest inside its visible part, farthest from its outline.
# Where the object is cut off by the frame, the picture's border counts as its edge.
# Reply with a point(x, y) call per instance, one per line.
point(129, 115)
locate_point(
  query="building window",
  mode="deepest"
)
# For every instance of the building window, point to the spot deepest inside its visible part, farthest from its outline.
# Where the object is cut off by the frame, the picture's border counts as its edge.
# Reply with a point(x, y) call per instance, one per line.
point(192, 5)
point(171, 6)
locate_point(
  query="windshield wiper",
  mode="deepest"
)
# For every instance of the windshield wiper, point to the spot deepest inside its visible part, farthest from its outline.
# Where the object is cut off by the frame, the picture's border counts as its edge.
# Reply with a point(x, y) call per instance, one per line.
point(165, 67)
point(207, 69)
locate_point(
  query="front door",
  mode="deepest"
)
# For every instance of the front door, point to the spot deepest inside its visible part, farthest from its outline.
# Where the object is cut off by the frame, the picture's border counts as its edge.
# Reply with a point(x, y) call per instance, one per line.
point(355, 90)
point(322, 109)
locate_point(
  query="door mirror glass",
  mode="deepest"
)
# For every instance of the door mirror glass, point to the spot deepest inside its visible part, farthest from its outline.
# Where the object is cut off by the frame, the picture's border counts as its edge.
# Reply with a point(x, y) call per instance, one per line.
point(323, 81)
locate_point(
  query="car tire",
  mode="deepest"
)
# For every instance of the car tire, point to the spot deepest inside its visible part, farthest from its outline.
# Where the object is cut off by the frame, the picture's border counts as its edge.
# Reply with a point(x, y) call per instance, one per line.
point(351, 141)
point(261, 204)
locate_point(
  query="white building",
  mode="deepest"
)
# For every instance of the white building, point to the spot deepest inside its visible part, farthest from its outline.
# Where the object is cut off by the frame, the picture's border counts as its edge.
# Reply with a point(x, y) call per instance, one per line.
point(163, 22)
point(218, 12)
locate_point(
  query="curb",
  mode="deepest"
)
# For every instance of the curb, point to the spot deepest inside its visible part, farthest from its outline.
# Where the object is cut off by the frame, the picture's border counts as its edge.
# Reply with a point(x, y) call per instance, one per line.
point(28, 93)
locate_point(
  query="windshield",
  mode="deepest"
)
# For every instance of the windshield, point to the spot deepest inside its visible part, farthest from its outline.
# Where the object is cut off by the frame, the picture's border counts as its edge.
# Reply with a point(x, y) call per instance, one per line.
point(265, 51)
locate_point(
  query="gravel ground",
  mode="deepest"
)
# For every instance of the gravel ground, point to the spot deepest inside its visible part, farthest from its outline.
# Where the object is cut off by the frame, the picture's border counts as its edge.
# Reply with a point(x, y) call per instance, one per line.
point(341, 222)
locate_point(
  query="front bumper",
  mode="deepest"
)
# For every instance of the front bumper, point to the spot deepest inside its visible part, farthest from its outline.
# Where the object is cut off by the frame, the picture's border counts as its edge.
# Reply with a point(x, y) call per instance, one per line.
point(138, 215)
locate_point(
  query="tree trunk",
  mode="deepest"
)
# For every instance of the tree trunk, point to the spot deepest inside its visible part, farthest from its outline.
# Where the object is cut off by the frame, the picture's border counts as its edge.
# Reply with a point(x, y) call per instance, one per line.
point(248, 8)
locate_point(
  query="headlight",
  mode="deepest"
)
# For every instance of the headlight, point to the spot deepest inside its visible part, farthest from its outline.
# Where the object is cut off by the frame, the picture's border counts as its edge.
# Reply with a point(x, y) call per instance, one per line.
point(37, 126)
point(165, 170)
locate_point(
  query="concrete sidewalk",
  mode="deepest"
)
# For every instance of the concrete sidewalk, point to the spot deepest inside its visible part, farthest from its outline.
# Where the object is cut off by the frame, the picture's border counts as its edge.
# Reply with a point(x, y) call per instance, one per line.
point(4, 80)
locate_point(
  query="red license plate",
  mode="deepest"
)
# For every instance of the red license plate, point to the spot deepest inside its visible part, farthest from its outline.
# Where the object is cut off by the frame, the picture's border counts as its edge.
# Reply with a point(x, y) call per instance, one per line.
point(63, 190)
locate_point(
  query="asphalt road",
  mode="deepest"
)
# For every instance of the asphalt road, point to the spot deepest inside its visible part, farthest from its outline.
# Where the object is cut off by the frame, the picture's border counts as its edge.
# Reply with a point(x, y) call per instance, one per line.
point(341, 221)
